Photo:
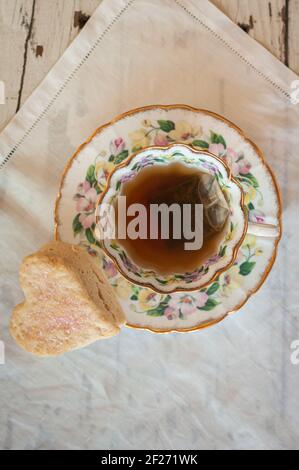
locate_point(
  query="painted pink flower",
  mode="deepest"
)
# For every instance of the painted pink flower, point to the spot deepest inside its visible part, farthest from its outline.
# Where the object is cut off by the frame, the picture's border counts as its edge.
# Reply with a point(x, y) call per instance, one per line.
point(231, 154)
point(86, 186)
point(227, 279)
point(171, 313)
point(87, 220)
point(256, 216)
point(237, 162)
point(201, 299)
point(85, 190)
point(86, 198)
point(110, 269)
point(217, 149)
point(82, 204)
point(82, 188)
point(117, 146)
point(161, 140)
point(244, 167)
point(91, 195)
point(185, 304)
point(86, 202)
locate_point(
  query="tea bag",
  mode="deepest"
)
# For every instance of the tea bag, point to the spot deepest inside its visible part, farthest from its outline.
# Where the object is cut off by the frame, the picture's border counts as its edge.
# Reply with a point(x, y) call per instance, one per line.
point(216, 209)
point(200, 188)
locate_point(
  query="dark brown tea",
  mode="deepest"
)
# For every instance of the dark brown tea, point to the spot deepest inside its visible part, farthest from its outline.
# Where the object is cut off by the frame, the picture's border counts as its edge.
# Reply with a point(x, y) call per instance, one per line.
point(175, 183)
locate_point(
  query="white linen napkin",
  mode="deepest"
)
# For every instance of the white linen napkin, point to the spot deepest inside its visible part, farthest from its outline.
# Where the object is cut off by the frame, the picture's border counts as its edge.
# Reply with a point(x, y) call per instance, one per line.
point(231, 386)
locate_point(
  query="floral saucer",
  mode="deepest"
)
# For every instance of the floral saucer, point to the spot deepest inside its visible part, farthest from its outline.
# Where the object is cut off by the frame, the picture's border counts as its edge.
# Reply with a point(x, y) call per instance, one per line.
point(85, 176)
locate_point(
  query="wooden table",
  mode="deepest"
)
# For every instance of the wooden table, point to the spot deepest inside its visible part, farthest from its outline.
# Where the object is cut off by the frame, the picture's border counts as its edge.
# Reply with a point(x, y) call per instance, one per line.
point(34, 34)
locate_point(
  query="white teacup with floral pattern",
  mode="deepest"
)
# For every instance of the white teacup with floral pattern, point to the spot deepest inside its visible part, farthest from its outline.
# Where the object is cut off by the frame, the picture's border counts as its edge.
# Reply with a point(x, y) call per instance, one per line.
point(233, 234)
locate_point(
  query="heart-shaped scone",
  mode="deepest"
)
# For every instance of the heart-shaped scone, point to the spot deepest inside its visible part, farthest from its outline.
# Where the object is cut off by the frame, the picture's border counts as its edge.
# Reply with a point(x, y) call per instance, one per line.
point(68, 302)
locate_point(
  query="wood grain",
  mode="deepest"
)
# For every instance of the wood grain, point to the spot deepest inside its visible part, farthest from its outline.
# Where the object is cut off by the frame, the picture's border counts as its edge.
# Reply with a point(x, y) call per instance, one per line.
point(35, 33)
point(65, 18)
point(294, 35)
point(14, 25)
point(263, 20)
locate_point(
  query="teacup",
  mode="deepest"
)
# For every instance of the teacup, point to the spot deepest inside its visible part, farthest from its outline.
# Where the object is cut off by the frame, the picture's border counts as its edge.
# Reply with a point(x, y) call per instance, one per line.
point(232, 235)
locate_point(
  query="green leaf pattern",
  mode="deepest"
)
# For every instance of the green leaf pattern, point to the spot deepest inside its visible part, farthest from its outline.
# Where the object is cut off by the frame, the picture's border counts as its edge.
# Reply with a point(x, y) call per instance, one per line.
point(164, 132)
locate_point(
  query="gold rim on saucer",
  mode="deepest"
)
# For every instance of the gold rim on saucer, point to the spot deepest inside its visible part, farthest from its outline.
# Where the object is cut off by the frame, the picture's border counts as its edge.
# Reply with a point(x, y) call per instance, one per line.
point(261, 157)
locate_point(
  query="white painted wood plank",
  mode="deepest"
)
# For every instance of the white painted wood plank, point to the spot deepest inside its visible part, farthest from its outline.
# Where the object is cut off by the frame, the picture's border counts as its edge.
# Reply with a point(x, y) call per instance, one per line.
point(294, 35)
point(54, 24)
point(14, 24)
point(263, 20)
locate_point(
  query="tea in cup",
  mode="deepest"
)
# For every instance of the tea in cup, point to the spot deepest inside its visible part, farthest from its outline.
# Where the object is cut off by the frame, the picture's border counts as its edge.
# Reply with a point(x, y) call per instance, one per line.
point(190, 193)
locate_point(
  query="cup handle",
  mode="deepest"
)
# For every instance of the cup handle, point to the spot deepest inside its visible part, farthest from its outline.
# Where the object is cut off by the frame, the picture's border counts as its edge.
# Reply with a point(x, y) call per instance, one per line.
point(263, 230)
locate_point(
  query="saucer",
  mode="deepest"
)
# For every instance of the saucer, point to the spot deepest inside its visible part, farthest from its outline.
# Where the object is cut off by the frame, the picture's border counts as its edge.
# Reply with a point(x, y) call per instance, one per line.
point(85, 176)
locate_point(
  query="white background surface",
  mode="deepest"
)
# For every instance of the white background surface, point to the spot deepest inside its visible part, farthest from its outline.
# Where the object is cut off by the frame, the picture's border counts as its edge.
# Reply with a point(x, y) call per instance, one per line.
point(232, 386)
